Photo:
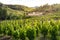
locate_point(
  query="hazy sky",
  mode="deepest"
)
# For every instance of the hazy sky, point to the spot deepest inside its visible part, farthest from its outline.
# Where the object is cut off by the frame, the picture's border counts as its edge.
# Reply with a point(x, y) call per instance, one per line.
point(30, 3)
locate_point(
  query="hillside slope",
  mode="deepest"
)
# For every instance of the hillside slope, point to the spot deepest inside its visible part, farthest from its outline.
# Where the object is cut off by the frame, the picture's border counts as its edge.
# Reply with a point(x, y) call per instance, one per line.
point(20, 11)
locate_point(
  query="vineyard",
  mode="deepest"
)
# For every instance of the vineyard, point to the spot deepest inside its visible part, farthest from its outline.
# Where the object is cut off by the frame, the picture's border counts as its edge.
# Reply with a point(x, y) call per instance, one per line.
point(31, 29)
point(20, 22)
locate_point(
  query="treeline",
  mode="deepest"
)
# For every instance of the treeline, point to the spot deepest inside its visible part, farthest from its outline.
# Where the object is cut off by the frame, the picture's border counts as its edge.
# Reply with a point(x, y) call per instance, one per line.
point(48, 8)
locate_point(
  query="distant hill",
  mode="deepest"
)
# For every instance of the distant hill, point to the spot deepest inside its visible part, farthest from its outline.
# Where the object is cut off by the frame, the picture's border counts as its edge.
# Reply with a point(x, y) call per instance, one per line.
point(45, 8)
point(20, 11)
point(14, 11)
point(17, 7)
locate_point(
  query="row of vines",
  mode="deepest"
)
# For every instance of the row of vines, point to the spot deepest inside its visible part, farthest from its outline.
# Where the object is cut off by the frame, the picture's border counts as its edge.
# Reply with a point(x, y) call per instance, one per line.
point(31, 29)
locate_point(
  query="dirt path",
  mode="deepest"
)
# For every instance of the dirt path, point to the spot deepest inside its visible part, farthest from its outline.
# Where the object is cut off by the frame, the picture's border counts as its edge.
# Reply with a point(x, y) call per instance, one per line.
point(5, 37)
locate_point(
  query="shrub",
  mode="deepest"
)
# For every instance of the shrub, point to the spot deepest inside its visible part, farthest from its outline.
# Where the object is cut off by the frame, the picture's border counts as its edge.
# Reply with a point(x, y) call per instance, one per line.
point(22, 34)
point(31, 34)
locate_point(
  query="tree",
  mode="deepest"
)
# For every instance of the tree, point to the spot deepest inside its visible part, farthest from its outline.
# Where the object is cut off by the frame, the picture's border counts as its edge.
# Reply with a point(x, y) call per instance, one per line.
point(3, 13)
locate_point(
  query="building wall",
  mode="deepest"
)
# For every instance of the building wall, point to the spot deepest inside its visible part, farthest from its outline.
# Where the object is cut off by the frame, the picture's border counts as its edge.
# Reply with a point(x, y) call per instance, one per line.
point(35, 14)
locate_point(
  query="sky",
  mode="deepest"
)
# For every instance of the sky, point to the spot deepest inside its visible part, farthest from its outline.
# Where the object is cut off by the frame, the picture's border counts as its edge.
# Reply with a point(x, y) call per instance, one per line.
point(30, 3)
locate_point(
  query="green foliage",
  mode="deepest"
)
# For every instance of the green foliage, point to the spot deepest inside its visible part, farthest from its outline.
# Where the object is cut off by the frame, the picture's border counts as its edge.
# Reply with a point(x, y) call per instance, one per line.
point(30, 28)
point(16, 34)
point(53, 33)
point(3, 13)
point(31, 34)
point(53, 30)
point(22, 34)
point(44, 29)
point(7, 13)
